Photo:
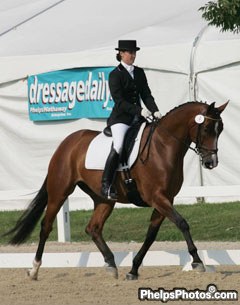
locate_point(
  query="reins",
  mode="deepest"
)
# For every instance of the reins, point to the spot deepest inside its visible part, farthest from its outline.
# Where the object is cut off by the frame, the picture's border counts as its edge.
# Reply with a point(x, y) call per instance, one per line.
point(179, 140)
point(153, 126)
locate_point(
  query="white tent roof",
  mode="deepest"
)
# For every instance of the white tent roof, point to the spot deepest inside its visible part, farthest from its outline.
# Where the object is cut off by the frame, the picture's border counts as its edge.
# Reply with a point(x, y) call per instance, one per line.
point(85, 33)
point(72, 25)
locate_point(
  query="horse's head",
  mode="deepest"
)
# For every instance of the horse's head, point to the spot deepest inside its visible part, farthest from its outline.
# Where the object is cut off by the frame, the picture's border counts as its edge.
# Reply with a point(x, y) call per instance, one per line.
point(209, 127)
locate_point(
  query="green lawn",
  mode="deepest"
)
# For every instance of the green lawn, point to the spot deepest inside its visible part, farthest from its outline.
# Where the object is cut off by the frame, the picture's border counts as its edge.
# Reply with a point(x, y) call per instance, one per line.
point(216, 222)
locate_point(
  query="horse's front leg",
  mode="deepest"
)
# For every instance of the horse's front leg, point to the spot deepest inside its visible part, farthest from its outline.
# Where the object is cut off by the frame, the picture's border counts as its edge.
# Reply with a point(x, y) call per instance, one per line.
point(94, 229)
point(164, 206)
point(156, 221)
point(182, 224)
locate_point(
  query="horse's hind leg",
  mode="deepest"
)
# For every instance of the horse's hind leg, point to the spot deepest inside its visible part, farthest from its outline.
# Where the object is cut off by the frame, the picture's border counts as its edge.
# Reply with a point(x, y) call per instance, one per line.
point(94, 229)
point(156, 221)
point(46, 228)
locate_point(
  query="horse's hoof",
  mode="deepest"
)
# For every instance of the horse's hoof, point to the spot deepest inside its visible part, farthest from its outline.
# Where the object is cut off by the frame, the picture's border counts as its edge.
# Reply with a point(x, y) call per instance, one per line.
point(32, 275)
point(131, 277)
point(112, 271)
point(199, 267)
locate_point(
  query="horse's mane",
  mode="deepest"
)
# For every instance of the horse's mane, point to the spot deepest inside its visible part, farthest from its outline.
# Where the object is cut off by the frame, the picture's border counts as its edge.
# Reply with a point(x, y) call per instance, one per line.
point(184, 104)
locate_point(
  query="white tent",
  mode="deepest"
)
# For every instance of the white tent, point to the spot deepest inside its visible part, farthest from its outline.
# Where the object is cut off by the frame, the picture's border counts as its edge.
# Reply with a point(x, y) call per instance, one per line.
point(183, 59)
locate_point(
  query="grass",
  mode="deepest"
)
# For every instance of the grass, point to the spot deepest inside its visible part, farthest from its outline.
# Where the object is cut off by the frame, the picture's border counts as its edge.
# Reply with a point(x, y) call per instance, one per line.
point(208, 222)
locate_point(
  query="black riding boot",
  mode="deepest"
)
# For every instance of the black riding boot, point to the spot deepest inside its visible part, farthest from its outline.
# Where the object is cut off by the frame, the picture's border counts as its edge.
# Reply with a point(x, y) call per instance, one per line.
point(111, 165)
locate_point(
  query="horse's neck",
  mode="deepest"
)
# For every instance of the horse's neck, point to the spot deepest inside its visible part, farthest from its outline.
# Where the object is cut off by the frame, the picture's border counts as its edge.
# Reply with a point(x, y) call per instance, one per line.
point(178, 119)
point(175, 125)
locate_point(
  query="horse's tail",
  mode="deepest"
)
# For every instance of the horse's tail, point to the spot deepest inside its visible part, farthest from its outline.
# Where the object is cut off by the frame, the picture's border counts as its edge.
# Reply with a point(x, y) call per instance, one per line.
point(30, 217)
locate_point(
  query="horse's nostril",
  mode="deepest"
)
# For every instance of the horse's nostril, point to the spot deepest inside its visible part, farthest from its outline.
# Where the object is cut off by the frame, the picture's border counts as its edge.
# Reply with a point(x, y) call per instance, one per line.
point(208, 164)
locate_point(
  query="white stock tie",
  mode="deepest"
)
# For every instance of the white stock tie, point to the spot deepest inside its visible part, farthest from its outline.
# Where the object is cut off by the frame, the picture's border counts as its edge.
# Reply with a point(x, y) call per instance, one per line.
point(130, 70)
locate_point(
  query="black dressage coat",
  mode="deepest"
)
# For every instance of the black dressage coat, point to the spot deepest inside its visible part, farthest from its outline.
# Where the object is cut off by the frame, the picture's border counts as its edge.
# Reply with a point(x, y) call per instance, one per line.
point(126, 93)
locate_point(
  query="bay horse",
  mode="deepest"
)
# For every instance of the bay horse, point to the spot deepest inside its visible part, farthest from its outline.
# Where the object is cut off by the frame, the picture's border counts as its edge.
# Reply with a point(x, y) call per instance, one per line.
point(158, 180)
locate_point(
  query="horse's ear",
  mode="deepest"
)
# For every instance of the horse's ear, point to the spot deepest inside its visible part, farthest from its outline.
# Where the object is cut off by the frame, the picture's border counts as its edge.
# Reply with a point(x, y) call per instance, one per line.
point(211, 107)
point(222, 107)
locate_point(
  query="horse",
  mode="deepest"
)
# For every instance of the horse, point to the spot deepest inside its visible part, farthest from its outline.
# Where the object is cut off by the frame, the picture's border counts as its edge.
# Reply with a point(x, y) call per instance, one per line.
point(159, 178)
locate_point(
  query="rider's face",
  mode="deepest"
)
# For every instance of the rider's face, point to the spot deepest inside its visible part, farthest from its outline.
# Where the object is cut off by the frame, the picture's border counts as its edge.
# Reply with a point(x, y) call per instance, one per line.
point(128, 57)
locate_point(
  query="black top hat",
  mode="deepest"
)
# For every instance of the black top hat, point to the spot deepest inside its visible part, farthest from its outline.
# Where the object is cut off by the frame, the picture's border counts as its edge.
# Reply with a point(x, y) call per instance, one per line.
point(127, 45)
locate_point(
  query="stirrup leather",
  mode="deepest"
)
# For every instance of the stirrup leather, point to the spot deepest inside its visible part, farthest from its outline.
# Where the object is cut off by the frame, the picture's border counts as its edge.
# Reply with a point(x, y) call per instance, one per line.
point(109, 192)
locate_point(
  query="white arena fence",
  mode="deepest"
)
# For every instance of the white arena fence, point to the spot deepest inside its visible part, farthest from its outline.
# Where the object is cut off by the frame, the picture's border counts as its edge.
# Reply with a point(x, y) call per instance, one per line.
point(182, 258)
point(19, 200)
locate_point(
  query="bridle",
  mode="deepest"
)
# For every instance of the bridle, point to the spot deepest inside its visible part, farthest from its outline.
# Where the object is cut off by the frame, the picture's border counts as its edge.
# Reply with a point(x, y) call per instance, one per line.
point(199, 149)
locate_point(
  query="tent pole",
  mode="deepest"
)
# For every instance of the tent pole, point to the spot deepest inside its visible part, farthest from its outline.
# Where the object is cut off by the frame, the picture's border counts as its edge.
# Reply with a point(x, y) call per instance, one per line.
point(193, 74)
point(193, 92)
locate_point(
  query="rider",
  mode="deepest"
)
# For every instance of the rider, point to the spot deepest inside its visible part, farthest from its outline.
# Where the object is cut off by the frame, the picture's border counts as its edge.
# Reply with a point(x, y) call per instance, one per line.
point(128, 84)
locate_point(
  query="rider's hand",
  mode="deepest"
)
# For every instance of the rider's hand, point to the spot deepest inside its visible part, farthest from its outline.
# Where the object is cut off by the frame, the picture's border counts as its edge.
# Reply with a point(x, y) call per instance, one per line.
point(157, 115)
point(145, 113)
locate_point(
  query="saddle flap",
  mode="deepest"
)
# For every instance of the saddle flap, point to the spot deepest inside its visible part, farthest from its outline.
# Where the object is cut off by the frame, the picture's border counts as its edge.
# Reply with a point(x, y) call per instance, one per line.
point(129, 141)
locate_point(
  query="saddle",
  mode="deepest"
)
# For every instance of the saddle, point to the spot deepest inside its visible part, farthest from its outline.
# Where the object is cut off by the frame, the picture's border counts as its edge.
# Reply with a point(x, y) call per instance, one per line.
point(129, 139)
point(128, 144)
point(102, 145)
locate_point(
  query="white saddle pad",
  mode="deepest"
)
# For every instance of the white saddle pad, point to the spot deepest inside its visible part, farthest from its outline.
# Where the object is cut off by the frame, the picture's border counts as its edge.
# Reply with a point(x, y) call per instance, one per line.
point(100, 147)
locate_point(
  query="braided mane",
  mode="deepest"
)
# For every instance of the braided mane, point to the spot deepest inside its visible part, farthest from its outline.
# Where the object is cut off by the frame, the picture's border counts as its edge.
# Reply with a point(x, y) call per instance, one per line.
point(187, 103)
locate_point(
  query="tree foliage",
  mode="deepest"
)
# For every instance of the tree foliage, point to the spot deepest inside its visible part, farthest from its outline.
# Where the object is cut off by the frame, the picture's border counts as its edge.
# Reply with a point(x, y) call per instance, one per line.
point(223, 13)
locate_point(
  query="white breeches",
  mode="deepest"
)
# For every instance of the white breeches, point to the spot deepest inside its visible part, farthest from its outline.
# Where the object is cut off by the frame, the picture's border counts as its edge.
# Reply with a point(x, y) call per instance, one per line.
point(118, 133)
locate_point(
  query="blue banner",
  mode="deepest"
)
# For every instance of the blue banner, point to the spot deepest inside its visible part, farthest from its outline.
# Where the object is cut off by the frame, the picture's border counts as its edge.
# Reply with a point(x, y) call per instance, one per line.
point(70, 94)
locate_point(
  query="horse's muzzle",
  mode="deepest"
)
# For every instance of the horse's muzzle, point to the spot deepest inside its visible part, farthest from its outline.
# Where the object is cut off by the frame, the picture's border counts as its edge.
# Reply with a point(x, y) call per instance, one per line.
point(210, 161)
